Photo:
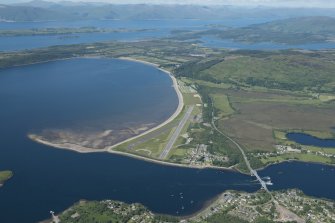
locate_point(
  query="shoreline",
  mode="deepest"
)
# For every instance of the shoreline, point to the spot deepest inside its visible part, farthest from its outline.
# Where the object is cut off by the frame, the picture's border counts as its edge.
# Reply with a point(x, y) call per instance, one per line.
point(171, 118)
point(109, 149)
point(59, 59)
point(81, 149)
point(293, 160)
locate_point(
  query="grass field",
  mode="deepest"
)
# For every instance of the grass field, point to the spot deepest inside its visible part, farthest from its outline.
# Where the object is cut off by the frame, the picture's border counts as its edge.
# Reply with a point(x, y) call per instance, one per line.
point(286, 70)
point(300, 157)
point(260, 113)
point(222, 103)
point(259, 118)
point(153, 144)
point(281, 135)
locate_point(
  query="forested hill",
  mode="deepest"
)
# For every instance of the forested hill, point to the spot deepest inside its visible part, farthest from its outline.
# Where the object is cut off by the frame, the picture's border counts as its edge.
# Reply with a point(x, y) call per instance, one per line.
point(289, 31)
point(313, 25)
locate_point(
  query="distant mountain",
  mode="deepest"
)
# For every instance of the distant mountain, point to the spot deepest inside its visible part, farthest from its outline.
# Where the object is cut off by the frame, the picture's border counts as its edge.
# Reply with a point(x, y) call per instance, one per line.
point(290, 31)
point(65, 10)
point(314, 25)
point(47, 4)
point(23, 13)
point(36, 3)
point(42, 10)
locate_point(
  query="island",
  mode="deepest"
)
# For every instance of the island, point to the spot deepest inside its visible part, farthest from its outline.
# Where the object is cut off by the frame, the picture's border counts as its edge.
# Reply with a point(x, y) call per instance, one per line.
point(64, 31)
point(4, 176)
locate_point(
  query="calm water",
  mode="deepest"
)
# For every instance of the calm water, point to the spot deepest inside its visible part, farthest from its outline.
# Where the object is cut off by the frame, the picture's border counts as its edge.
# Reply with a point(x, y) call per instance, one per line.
point(214, 42)
point(31, 42)
point(93, 93)
point(309, 140)
point(157, 29)
point(314, 179)
point(136, 24)
point(161, 28)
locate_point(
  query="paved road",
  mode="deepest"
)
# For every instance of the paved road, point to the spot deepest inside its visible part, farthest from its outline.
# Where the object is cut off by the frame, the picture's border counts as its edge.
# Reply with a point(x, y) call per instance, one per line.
point(252, 171)
point(176, 133)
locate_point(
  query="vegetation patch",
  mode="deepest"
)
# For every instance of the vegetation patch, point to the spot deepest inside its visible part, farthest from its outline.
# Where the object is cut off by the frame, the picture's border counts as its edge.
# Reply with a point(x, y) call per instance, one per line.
point(5, 175)
point(110, 212)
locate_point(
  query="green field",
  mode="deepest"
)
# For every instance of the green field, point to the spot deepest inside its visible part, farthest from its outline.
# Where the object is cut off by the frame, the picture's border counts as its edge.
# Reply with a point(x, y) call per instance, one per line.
point(256, 93)
point(153, 144)
point(288, 71)
point(221, 103)
point(300, 157)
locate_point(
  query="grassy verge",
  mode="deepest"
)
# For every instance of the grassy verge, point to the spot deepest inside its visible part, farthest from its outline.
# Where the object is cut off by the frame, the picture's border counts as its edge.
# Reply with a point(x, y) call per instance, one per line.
point(153, 144)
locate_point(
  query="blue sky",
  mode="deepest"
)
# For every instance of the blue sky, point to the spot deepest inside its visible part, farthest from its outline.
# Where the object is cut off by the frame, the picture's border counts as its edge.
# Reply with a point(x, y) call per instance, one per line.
point(290, 3)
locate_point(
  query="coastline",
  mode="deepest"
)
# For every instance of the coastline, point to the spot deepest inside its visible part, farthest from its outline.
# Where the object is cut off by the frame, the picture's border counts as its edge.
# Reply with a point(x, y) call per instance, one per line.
point(40, 62)
point(293, 160)
point(60, 59)
point(171, 118)
point(82, 149)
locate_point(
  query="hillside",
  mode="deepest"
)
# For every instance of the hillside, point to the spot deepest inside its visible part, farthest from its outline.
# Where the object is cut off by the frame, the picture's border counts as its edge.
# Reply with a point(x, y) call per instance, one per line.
point(287, 70)
point(289, 31)
point(314, 25)
point(24, 13)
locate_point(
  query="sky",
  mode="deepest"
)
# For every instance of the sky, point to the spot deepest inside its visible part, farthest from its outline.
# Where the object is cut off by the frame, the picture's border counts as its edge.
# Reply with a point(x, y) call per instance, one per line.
point(274, 3)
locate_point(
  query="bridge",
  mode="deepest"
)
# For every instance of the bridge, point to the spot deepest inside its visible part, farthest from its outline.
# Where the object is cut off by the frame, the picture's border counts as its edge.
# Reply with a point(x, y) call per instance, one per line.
point(252, 171)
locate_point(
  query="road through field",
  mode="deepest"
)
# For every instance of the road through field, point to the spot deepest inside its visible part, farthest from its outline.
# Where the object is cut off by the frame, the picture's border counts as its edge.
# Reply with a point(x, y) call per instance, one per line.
point(252, 171)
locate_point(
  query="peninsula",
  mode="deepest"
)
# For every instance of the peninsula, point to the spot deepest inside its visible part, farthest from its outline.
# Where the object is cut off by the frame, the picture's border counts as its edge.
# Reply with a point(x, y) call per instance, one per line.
point(219, 86)
point(64, 31)
point(292, 206)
